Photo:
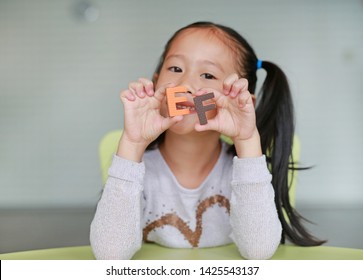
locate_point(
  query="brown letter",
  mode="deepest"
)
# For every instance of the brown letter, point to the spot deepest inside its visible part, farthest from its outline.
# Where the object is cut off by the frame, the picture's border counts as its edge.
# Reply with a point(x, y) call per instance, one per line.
point(201, 109)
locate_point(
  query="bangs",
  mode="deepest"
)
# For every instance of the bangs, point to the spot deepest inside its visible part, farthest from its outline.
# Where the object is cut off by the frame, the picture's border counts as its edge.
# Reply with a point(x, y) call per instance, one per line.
point(237, 53)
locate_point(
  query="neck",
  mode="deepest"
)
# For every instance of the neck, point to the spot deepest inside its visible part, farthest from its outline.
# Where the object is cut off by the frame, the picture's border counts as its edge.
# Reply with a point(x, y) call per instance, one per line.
point(191, 156)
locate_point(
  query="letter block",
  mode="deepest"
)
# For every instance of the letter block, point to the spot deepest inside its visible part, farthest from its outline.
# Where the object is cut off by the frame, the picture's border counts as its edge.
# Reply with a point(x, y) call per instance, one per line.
point(172, 100)
point(201, 108)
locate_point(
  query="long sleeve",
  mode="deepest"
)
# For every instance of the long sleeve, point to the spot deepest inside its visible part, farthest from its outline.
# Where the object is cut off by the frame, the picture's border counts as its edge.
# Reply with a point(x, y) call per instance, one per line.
point(116, 231)
point(256, 228)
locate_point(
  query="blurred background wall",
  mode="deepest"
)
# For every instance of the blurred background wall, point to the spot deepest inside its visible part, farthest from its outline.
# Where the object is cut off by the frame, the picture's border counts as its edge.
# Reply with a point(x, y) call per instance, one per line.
point(63, 63)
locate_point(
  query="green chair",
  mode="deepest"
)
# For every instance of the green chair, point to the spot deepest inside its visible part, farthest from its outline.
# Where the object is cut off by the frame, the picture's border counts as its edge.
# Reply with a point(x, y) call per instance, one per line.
point(107, 148)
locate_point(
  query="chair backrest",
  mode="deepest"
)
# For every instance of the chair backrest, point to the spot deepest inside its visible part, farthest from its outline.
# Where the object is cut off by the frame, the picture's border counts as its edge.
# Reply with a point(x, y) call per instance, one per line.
point(109, 143)
point(107, 148)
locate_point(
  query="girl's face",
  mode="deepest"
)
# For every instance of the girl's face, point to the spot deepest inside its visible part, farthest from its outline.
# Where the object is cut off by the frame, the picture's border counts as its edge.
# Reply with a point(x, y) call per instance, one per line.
point(196, 59)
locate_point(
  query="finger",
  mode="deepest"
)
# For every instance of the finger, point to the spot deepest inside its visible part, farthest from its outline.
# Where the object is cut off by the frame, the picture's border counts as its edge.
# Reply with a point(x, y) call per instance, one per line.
point(210, 125)
point(228, 83)
point(168, 122)
point(160, 92)
point(217, 95)
point(219, 99)
point(138, 88)
point(127, 94)
point(245, 98)
point(203, 91)
point(148, 86)
point(239, 86)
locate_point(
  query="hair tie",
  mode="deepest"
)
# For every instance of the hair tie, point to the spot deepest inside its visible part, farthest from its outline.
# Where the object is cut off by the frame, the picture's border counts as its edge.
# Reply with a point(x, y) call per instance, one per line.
point(259, 64)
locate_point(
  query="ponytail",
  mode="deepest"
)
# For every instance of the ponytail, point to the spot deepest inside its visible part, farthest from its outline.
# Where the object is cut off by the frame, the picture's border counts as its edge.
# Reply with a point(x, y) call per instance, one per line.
point(275, 123)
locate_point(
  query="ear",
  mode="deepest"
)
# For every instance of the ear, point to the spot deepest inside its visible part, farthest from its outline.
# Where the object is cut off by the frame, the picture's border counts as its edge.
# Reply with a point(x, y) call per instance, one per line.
point(253, 99)
point(155, 78)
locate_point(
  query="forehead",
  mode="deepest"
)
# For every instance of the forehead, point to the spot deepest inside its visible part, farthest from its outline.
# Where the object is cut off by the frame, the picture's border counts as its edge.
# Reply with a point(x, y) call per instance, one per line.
point(204, 42)
point(206, 36)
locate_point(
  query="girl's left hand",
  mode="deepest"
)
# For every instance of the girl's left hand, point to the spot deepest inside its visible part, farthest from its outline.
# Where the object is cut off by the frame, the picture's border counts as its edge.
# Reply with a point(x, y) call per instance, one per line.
point(236, 116)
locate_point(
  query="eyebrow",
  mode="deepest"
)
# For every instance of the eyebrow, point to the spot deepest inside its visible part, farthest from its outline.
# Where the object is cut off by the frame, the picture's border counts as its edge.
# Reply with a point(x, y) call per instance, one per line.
point(205, 61)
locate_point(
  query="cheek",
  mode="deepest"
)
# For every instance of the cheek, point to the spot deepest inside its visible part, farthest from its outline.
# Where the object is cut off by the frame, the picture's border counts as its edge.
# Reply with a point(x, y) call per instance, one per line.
point(164, 77)
point(219, 85)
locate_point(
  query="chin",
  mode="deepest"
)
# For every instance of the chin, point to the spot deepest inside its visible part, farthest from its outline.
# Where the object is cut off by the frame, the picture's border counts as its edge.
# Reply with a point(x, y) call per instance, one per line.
point(181, 129)
point(185, 126)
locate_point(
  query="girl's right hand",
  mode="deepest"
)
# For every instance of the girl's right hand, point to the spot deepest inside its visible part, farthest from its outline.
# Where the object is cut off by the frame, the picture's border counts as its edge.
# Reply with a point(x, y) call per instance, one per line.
point(143, 122)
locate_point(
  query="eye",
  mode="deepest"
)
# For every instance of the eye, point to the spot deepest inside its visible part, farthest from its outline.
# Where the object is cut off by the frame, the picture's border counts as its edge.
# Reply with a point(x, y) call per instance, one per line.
point(208, 76)
point(175, 69)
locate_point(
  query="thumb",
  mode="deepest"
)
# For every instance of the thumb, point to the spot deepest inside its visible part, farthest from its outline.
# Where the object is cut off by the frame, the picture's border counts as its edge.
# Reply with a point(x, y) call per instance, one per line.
point(212, 124)
point(169, 121)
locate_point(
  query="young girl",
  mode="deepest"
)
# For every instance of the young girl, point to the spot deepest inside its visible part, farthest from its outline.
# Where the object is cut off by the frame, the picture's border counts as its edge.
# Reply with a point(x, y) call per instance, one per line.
point(174, 182)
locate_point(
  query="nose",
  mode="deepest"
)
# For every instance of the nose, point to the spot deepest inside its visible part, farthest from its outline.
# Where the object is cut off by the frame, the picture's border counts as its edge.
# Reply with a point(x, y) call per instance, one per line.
point(190, 82)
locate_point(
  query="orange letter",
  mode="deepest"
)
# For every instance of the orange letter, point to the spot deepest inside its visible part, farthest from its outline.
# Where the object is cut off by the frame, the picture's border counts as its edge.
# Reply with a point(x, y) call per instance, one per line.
point(171, 101)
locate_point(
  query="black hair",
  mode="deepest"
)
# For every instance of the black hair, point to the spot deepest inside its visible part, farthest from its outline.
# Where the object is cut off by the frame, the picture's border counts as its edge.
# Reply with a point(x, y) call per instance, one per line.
point(275, 123)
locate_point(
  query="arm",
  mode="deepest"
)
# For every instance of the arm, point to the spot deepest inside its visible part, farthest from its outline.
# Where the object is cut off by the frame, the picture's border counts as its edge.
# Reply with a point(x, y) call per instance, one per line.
point(256, 228)
point(116, 231)
point(254, 220)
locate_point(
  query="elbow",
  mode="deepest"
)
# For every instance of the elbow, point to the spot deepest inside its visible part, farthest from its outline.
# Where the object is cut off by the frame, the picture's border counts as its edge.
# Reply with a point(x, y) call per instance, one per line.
point(260, 253)
point(113, 247)
point(260, 247)
point(109, 251)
